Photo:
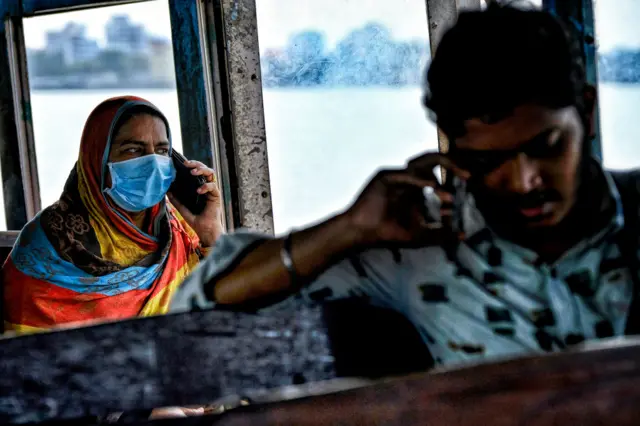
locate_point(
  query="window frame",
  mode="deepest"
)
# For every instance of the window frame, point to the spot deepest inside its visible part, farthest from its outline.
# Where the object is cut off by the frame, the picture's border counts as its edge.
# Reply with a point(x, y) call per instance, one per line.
point(226, 122)
point(247, 153)
point(240, 27)
point(17, 144)
point(15, 198)
point(441, 15)
point(219, 96)
point(582, 14)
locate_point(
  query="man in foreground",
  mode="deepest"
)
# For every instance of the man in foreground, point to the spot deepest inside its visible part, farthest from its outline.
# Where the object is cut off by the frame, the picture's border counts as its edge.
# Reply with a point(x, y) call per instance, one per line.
point(537, 265)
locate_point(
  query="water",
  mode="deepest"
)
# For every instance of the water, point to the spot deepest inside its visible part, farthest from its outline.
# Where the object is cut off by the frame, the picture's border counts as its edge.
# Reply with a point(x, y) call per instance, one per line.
point(620, 125)
point(323, 144)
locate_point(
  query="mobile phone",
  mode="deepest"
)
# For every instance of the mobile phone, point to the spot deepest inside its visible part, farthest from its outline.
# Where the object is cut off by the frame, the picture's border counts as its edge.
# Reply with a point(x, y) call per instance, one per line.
point(458, 188)
point(185, 186)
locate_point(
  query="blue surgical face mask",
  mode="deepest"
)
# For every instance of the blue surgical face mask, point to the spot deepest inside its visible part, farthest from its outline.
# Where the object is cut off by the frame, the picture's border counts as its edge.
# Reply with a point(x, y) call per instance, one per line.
point(140, 183)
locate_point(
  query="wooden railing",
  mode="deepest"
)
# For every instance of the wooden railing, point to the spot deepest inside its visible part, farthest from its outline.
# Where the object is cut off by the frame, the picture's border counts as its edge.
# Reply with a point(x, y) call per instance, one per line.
point(82, 375)
point(595, 387)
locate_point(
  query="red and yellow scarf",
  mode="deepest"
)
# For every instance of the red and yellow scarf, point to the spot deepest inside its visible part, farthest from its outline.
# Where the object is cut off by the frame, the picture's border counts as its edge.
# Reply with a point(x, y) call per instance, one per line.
point(82, 259)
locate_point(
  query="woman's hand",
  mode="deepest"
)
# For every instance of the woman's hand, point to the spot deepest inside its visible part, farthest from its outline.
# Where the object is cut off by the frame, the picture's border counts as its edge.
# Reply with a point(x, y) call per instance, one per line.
point(208, 224)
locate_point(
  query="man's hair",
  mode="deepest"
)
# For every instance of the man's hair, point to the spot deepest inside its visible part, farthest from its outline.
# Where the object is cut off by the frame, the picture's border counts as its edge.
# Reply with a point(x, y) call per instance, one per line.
point(495, 60)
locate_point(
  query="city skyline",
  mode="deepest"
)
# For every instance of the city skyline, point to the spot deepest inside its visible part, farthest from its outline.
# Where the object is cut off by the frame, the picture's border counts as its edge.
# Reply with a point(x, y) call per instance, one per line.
point(78, 29)
point(278, 20)
point(131, 57)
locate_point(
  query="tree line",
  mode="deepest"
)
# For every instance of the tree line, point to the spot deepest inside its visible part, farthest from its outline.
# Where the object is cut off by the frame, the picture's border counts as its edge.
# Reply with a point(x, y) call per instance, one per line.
point(370, 56)
point(366, 56)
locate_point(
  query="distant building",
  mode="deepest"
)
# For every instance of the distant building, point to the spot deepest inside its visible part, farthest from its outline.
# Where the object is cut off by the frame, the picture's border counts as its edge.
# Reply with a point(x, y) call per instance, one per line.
point(161, 62)
point(124, 36)
point(72, 43)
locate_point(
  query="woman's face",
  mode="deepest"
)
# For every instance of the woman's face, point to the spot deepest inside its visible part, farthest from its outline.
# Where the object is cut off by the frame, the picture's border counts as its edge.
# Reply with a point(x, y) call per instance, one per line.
point(141, 135)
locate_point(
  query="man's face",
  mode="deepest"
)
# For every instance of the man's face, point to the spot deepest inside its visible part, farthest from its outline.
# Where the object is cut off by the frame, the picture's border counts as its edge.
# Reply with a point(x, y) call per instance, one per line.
point(524, 168)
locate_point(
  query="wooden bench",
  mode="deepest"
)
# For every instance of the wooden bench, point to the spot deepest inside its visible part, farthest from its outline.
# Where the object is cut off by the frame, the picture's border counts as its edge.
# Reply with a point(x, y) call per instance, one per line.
point(79, 376)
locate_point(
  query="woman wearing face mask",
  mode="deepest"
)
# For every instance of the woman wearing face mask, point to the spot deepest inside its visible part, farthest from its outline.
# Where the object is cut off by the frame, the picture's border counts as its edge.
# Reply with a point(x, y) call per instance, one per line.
point(111, 247)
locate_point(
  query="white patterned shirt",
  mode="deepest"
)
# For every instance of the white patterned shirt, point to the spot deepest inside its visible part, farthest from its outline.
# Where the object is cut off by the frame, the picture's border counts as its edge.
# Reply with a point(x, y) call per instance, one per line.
point(496, 300)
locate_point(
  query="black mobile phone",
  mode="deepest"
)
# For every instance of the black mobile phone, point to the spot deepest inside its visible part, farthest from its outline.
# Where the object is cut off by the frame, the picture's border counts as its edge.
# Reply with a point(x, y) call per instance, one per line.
point(185, 187)
point(457, 187)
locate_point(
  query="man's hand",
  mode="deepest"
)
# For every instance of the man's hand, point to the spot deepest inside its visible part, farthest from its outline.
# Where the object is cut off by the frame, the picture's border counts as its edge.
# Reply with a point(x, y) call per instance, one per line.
point(208, 224)
point(391, 209)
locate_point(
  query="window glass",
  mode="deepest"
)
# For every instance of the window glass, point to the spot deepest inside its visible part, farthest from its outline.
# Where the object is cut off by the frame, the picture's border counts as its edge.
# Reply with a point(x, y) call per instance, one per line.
point(342, 97)
point(77, 60)
point(619, 81)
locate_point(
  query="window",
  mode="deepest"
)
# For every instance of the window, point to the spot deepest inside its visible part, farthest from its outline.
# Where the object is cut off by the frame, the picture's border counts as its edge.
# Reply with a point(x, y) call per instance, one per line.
point(342, 93)
point(618, 41)
point(78, 59)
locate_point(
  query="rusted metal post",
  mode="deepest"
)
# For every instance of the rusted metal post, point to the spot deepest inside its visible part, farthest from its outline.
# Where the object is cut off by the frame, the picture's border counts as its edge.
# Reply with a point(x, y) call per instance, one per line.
point(245, 94)
point(441, 15)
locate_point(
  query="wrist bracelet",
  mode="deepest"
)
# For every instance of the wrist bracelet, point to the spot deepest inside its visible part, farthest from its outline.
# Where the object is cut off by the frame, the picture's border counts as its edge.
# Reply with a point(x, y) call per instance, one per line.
point(287, 260)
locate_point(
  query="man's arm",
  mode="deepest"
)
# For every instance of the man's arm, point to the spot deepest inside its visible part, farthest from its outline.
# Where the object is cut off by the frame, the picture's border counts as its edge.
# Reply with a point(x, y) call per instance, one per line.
point(262, 272)
point(390, 211)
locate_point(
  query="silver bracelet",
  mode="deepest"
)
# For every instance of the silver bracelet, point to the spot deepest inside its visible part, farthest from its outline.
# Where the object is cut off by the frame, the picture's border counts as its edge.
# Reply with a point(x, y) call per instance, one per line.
point(287, 259)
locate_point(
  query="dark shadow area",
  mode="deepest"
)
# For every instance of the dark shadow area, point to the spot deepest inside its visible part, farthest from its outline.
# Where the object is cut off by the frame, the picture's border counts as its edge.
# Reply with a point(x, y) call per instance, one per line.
point(373, 342)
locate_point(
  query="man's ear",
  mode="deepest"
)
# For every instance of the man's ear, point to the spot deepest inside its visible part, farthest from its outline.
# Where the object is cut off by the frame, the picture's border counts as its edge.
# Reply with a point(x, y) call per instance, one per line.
point(590, 96)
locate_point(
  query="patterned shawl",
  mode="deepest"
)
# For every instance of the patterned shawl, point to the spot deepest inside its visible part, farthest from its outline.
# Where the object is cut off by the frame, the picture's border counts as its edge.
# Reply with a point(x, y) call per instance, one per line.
point(83, 259)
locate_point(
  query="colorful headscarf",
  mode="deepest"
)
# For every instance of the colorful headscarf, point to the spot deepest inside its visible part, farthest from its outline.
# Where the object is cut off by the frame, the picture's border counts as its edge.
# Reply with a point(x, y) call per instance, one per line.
point(83, 259)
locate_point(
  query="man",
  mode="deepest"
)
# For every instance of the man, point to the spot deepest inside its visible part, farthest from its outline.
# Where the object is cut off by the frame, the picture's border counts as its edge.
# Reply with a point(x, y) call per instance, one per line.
point(537, 264)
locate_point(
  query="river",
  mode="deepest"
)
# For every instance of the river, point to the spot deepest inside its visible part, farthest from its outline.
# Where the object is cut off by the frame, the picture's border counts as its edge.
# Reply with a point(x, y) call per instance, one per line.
point(323, 144)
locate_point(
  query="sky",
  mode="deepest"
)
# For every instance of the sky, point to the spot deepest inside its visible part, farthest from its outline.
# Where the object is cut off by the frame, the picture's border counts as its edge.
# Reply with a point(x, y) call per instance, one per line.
point(616, 20)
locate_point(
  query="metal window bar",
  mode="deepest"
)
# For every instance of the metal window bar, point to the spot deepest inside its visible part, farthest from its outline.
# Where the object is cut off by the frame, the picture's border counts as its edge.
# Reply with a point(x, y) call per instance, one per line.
point(580, 14)
point(195, 110)
point(17, 56)
point(214, 51)
point(442, 15)
point(12, 174)
point(248, 128)
point(40, 7)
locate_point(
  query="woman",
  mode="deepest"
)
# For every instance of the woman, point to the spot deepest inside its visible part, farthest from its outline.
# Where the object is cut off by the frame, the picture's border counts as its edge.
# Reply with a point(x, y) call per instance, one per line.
point(111, 247)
